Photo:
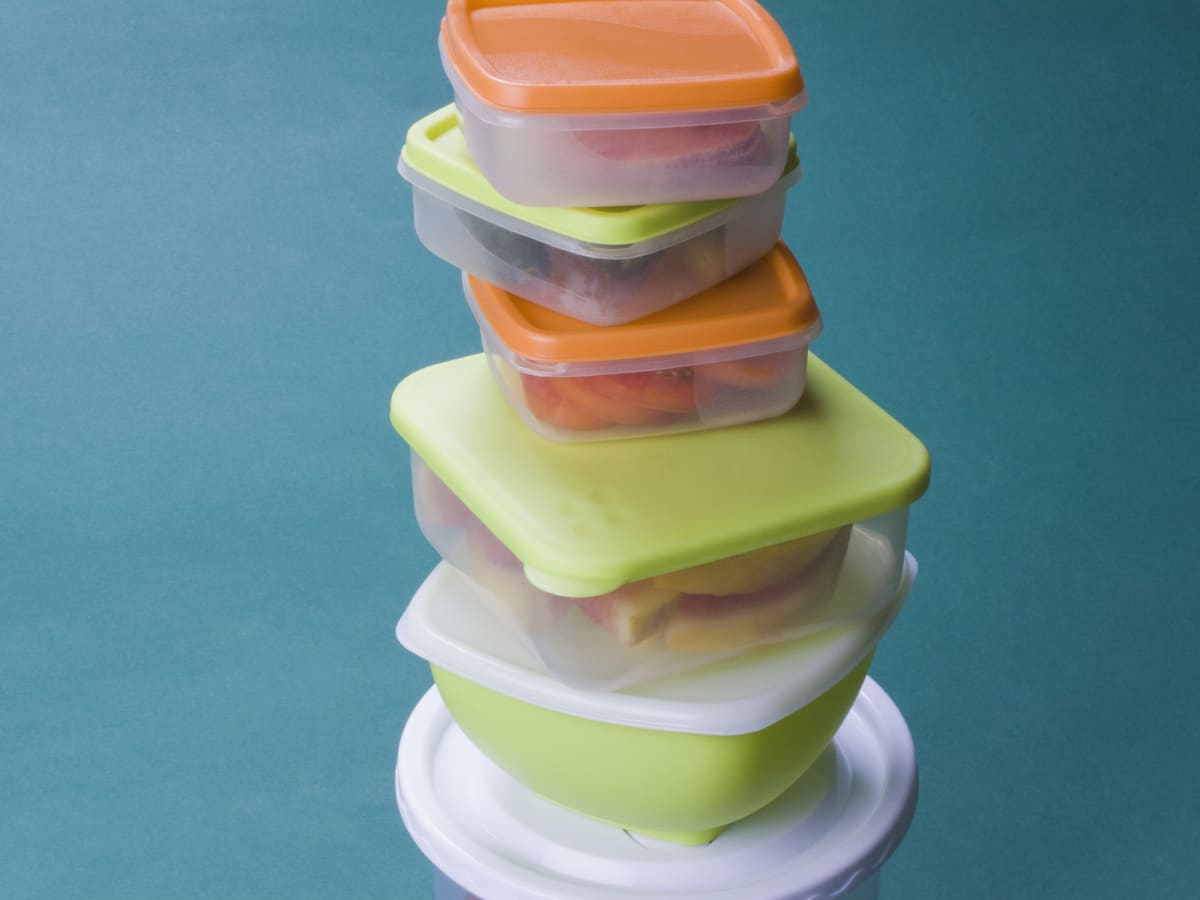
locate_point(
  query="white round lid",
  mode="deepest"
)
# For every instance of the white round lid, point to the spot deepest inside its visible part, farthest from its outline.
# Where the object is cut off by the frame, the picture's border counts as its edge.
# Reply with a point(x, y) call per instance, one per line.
point(448, 624)
point(824, 836)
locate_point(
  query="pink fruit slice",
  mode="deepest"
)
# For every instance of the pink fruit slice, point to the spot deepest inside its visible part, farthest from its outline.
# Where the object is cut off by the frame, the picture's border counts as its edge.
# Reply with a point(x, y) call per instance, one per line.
point(632, 613)
point(686, 145)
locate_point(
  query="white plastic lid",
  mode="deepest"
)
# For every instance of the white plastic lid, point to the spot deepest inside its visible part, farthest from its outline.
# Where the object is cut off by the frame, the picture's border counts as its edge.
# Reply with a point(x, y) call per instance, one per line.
point(825, 835)
point(449, 624)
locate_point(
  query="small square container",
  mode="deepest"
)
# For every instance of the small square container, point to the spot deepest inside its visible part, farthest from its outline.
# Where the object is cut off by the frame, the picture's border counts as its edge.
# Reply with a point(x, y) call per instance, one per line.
point(619, 562)
point(613, 102)
point(748, 728)
point(827, 837)
point(604, 266)
point(735, 353)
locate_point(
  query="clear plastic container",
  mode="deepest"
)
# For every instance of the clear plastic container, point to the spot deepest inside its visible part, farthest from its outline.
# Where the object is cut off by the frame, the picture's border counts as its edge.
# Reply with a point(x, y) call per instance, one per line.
point(677, 620)
point(603, 266)
point(826, 837)
point(735, 353)
point(611, 102)
point(747, 728)
point(624, 561)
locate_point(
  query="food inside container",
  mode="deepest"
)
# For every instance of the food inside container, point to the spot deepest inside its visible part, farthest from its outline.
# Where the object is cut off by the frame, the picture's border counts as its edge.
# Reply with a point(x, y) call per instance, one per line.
point(605, 266)
point(678, 759)
point(678, 619)
point(734, 353)
point(624, 561)
point(827, 836)
point(611, 102)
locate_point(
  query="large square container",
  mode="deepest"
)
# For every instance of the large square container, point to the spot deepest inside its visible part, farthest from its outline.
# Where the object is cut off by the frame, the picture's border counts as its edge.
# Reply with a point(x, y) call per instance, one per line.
point(623, 561)
point(827, 837)
point(678, 759)
point(735, 353)
point(604, 266)
point(613, 102)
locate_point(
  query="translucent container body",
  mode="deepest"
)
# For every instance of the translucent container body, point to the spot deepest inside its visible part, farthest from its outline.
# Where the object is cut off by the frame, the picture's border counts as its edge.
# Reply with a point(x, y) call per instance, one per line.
point(677, 759)
point(678, 620)
point(670, 392)
point(626, 403)
point(602, 266)
point(614, 102)
point(826, 837)
point(712, 535)
point(615, 161)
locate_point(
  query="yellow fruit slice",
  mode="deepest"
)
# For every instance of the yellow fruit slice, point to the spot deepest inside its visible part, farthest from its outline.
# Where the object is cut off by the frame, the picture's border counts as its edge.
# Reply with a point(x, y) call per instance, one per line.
point(728, 625)
point(632, 613)
point(750, 572)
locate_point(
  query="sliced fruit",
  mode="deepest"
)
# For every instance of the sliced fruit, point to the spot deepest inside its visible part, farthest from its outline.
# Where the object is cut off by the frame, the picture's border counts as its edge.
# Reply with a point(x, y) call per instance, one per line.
point(752, 372)
point(487, 547)
point(668, 390)
point(708, 624)
point(548, 406)
point(682, 145)
point(579, 392)
point(753, 571)
point(632, 613)
point(738, 626)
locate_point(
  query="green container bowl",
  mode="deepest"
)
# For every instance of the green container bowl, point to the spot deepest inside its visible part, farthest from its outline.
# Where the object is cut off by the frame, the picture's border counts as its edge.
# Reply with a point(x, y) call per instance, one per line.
point(671, 785)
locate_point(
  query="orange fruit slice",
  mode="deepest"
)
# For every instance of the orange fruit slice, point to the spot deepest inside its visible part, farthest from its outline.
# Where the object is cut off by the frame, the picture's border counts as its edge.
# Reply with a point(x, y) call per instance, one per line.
point(752, 372)
point(579, 392)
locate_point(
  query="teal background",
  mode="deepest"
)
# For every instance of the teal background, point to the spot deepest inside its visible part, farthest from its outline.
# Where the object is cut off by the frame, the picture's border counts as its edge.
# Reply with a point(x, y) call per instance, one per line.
point(209, 284)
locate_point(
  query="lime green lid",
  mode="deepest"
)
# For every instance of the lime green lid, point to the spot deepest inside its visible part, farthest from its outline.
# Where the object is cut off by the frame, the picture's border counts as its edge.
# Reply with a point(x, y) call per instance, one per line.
point(436, 150)
point(587, 518)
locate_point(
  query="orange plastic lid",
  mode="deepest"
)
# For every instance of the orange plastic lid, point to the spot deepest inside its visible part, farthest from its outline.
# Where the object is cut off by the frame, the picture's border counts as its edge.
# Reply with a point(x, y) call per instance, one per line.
point(629, 56)
point(770, 299)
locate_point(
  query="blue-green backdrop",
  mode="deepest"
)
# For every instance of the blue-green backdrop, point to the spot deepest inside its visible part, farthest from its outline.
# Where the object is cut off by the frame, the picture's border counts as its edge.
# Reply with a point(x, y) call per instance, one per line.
point(209, 284)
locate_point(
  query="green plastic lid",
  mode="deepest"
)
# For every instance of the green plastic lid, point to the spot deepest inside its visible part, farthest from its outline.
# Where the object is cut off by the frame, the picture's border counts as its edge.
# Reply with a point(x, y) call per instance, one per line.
point(435, 151)
point(585, 519)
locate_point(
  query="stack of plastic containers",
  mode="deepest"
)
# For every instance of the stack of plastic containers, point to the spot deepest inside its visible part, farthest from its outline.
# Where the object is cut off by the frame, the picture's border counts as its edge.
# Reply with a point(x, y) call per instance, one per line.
point(671, 538)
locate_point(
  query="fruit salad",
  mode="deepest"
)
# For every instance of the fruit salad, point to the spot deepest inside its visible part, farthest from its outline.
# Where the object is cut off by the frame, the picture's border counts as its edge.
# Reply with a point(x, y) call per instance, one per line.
point(711, 609)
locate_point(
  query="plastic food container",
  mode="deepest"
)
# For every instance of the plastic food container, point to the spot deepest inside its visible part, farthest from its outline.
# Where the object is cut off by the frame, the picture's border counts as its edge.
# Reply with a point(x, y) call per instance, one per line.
point(619, 562)
point(603, 266)
point(828, 836)
point(611, 102)
point(678, 759)
point(735, 353)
